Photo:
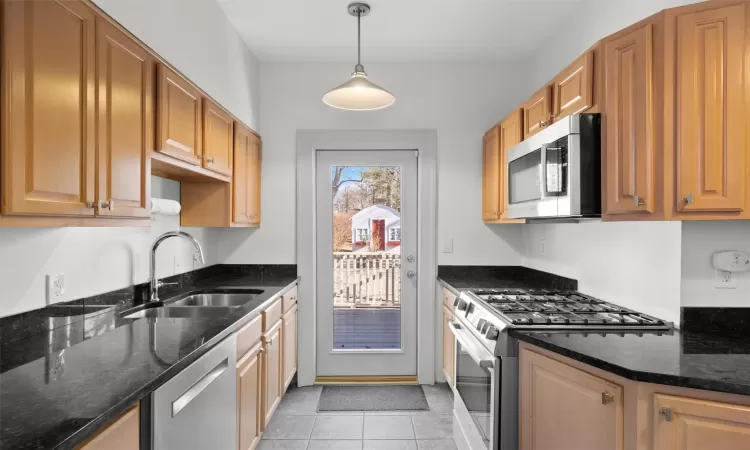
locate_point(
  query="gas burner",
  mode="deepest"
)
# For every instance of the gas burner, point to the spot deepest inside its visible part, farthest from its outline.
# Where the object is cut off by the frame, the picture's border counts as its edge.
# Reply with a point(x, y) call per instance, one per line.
point(531, 308)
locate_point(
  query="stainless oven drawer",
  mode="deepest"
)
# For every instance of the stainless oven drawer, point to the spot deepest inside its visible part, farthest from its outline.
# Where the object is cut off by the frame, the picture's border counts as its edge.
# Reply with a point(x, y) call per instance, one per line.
point(197, 408)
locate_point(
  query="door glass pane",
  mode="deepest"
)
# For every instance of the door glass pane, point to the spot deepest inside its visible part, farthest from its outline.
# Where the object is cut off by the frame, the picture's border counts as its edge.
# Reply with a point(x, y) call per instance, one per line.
point(366, 258)
point(524, 174)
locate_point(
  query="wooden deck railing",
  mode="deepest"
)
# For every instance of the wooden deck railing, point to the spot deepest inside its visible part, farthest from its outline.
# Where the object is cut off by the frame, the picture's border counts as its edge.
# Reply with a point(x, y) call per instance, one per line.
point(366, 280)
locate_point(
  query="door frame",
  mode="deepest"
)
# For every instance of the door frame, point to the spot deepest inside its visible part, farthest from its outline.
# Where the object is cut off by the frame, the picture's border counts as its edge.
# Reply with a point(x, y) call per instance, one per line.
point(425, 143)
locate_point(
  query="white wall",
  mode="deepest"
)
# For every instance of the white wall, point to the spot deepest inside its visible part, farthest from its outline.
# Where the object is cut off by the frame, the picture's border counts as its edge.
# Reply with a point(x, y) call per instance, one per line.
point(592, 21)
point(633, 264)
point(196, 37)
point(94, 260)
point(699, 241)
point(460, 101)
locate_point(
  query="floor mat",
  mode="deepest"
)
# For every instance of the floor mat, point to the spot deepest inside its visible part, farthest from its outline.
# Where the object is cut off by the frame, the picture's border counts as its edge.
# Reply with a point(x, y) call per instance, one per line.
point(373, 398)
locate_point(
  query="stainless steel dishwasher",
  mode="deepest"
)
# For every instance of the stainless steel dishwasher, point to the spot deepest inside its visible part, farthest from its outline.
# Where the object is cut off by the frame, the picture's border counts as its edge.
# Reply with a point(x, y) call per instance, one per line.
point(197, 409)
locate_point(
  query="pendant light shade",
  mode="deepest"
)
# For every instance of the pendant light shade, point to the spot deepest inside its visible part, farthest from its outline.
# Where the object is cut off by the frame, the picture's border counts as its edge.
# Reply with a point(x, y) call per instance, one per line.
point(359, 93)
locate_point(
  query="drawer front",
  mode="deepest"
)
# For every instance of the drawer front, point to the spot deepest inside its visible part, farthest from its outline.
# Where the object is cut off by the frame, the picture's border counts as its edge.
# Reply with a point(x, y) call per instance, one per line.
point(289, 299)
point(271, 315)
point(448, 298)
point(248, 336)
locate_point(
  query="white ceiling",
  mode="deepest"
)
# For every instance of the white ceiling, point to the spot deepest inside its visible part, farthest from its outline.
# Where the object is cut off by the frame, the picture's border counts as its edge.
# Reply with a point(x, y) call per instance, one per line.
point(397, 30)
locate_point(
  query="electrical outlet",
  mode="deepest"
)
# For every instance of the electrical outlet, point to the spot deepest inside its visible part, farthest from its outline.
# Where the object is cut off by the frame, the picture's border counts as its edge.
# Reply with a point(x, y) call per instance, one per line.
point(724, 279)
point(448, 245)
point(55, 287)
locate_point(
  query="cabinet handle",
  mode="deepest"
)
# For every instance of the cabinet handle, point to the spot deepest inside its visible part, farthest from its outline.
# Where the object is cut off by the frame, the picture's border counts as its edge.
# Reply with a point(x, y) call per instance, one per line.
point(638, 201)
point(607, 398)
point(90, 205)
point(667, 413)
point(689, 199)
point(110, 205)
point(209, 160)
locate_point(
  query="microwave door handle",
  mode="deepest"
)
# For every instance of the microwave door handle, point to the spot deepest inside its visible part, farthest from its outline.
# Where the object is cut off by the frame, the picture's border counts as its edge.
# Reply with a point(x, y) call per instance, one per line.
point(546, 192)
point(543, 168)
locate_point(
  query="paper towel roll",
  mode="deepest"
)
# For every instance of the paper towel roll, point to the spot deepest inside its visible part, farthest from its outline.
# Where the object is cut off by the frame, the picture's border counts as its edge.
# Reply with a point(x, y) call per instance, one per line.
point(165, 207)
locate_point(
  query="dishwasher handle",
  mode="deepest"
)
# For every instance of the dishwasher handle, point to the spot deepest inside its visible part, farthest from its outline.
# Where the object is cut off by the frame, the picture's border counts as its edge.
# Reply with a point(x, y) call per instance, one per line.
point(195, 390)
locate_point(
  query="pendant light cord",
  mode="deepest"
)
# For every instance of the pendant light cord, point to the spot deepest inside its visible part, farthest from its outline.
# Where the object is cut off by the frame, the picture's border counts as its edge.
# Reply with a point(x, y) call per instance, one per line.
point(359, 37)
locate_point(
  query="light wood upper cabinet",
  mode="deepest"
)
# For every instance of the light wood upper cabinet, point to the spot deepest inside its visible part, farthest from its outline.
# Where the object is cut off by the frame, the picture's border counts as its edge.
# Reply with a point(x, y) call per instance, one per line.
point(573, 88)
point(122, 434)
point(449, 347)
point(217, 138)
point(630, 156)
point(691, 424)
point(48, 130)
point(537, 112)
point(179, 117)
point(246, 178)
point(272, 371)
point(126, 124)
point(289, 327)
point(563, 408)
point(249, 405)
point(711, 95)
point(491, 179)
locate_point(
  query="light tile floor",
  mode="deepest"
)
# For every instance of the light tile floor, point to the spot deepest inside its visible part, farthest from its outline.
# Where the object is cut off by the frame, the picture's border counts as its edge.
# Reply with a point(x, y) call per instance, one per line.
point(298, 426)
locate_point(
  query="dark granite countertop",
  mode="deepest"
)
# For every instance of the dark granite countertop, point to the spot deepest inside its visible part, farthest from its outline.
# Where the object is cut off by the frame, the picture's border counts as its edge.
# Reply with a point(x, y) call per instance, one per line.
point(685, 359)
point(458, 278)
point(59, 388)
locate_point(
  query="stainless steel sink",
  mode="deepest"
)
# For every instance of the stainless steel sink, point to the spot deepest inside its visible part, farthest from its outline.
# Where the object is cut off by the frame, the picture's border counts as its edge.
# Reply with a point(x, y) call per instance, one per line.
point(213, 300)
point(177, 313)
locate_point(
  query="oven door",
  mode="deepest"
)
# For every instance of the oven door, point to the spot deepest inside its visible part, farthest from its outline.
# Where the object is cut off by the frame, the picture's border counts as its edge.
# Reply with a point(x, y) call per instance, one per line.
point(477, 391)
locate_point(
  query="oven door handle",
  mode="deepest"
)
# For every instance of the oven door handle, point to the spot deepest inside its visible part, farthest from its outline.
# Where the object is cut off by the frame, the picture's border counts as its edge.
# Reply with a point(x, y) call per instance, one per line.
point(480, 356)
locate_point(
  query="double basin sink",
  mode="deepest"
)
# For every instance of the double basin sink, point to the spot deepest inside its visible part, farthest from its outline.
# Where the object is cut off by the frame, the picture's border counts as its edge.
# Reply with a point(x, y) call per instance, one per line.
point(205, 303)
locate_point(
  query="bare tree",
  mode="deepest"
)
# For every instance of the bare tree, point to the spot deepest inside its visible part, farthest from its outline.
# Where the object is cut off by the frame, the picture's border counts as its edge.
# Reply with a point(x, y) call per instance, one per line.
point(338, 182)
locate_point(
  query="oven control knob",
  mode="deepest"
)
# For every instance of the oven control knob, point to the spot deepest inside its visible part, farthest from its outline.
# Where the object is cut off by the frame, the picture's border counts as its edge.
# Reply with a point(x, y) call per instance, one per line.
point(492, 333)
point(470, 308)
point(462, 305)
point(456, 301)
point(481, 324)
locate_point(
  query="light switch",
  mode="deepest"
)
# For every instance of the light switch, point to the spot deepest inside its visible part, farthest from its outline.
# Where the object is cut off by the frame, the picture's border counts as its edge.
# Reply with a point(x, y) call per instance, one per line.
point(448, 245)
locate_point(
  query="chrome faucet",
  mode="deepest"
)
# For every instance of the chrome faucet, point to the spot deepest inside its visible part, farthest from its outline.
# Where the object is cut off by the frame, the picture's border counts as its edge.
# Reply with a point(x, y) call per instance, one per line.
point(155, 284)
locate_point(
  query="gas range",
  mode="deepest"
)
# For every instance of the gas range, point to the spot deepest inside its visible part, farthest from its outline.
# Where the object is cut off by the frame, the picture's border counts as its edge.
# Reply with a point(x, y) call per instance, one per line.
point(489, 311)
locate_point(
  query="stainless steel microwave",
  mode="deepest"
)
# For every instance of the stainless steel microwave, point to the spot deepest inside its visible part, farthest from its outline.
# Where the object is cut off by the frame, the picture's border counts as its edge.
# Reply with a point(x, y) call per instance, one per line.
point(557, 172)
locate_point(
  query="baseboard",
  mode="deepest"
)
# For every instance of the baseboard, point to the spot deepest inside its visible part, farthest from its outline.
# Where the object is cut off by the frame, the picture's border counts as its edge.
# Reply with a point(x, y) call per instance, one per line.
point(406, 379)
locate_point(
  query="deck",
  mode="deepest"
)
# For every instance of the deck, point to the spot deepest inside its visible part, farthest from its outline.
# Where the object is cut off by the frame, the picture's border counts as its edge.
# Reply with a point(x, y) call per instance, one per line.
point(358, 328)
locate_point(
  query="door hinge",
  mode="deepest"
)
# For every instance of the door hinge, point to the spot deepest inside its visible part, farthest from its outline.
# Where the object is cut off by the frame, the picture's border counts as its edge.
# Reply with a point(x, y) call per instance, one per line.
point(416, 153)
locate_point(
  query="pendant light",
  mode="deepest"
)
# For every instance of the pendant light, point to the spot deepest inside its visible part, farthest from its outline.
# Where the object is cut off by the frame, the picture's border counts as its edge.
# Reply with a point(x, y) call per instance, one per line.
point(359, 93)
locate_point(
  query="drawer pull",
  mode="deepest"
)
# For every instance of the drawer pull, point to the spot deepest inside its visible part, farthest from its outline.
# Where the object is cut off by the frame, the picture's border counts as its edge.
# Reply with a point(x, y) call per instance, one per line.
point(195, 390)
point(607, 398)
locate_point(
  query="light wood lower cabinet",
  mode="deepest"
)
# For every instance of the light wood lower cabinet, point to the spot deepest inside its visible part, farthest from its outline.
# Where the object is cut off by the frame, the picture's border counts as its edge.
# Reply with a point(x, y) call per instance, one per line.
point(122, 434)
point(563, 408)
point(289, 327)
point(272, 370)
point(249, 405)
point(691, 424)
point(449, 348)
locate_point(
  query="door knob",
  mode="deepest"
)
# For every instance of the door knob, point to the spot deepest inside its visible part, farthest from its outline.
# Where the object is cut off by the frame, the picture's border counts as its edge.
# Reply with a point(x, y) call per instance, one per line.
point(411, 274)
point(410, 258)
point(689, 199)
point(638, 201)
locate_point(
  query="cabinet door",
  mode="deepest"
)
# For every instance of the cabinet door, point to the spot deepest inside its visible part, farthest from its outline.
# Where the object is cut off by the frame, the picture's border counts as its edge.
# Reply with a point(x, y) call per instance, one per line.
point(290, 346)
point(563, 408)
point(491, 183)
point(272, 370)
point(122, 434)
point(249, 407)
point(178, 117)
point(630, 154)
point(48, 134)
point(449, 347)
point(711, 117)
point(217, 138)
point(573, 88)
point(126, 140)
point(689, 424)
point(537, 112)
point(253, 184)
